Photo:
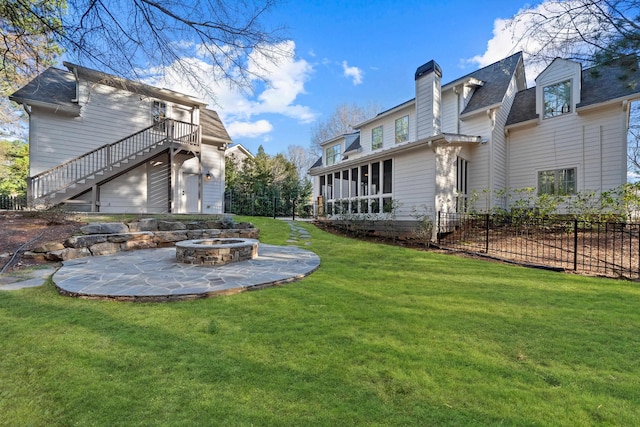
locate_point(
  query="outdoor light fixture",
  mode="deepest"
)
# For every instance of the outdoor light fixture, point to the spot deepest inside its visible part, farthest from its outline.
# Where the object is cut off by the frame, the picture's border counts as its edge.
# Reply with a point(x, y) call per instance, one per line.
point(208, 176)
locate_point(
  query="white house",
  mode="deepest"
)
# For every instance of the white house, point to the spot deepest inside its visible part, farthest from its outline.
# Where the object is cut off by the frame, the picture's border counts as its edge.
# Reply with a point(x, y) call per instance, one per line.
point(103, 143)
point(237, 153)
point(483, 132)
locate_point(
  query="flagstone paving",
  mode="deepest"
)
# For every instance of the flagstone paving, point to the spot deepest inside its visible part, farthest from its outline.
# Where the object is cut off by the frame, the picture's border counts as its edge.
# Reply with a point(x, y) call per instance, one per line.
point(155, 275)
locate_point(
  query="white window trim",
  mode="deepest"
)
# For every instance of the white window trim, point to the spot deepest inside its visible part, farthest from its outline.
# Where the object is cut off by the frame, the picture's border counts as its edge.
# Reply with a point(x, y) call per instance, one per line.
point(571, 97)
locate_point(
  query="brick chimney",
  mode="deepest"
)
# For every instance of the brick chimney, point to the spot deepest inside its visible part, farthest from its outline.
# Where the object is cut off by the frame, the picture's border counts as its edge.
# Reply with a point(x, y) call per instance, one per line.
point(428, 99)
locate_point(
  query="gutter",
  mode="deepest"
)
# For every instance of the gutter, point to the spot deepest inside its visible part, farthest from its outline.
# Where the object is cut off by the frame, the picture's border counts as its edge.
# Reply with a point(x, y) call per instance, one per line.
point(431, 142)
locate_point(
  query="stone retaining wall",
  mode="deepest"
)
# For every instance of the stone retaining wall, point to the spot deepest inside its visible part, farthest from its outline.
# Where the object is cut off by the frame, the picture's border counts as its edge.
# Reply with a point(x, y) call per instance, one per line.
point(111, 238)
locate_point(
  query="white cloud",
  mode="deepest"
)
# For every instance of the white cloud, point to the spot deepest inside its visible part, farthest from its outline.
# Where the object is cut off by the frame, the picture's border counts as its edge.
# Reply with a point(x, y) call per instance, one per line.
point(284, 78)
point(248, 129)
point(354, 73)
point(530, 27)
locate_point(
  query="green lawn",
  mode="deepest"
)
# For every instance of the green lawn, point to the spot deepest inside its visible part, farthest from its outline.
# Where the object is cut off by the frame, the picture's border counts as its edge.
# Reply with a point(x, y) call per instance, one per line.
point(378, 335)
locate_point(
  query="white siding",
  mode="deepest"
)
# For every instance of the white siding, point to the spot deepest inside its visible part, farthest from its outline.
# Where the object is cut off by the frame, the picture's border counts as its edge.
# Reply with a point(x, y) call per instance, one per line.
point(158, 184)
point(428, 105)
point(107, 115)
point(414, 182)
point(449, 112)
point(213, 191)
point(388, 124)
point(127, 193)
point(446, 178)
point(593, 142)
point(498, 147)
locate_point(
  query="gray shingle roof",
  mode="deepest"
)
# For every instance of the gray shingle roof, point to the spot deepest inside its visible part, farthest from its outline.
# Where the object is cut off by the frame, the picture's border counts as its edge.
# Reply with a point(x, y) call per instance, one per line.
point(212, 126)
point(524, 107)
point(317, 164)
point(53, 87)
point(599, 84)
point(616, 80)
point(496, 78)
point(352, 142)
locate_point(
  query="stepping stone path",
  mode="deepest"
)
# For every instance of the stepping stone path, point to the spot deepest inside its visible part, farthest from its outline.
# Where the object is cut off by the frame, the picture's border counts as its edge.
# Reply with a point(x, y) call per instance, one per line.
point(298, 234)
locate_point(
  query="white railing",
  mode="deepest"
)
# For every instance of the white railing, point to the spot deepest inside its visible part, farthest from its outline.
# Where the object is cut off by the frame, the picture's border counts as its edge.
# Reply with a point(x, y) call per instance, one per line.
point(106, 157)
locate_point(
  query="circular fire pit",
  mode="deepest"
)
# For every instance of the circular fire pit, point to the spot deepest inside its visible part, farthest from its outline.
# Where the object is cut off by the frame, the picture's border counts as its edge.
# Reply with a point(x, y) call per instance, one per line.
point(216, 251)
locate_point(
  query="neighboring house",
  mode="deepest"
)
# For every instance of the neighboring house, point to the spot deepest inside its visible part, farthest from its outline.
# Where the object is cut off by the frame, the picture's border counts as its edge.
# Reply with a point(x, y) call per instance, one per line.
point(238, 154)
point(486, 133)
point(103, 143)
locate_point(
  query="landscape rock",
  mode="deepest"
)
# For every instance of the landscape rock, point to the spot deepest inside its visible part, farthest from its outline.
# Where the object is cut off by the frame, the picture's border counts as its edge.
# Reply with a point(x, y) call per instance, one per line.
point(34, 256)
point(170, 236)
point(105, 228)
point(125, 237)
point(49, 247)
point(145, 224)
point(106, 248)
point(67, 253)
point(171, 226)
point(84, 241)
point(132, 245)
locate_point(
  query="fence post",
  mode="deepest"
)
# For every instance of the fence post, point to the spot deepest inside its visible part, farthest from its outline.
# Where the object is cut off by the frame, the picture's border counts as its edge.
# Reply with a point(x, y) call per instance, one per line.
point(486, 236)
point(293, 210)
point(575, 244)
point(438, 228)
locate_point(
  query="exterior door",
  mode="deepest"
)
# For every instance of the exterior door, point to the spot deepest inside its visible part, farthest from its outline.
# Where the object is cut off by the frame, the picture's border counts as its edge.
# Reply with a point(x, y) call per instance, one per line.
point(190, 191)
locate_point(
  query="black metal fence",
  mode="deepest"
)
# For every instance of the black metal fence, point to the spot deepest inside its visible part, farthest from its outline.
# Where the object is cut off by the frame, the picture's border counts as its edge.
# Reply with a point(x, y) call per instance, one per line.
point(600, 248)
point(13, 203)
point(267, 204)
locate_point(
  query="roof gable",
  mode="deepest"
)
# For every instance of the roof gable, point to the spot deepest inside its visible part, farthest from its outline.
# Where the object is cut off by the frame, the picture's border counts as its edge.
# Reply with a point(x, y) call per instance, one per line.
point(133, 86)
point(600, 84)
point(496, 78)
point(212, 128)
point(53, 88)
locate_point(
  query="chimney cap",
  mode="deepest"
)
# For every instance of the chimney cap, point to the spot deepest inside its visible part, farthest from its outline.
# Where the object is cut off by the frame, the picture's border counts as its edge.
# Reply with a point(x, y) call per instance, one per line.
point(429, 67)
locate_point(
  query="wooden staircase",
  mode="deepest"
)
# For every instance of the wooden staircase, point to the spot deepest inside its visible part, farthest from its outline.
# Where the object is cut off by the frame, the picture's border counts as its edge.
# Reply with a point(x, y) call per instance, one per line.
point(78, 175)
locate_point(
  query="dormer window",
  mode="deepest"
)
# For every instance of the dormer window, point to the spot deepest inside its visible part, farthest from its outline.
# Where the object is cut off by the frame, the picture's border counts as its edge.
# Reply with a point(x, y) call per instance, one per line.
point(557, 99)
point(333, 154)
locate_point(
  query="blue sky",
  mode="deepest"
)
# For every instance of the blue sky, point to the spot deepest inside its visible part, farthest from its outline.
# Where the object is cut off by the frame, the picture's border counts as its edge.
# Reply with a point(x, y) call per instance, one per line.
point(363, 52)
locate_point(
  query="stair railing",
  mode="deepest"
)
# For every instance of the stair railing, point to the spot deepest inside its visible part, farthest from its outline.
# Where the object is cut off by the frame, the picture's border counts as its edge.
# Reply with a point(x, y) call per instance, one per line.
point(106, 157)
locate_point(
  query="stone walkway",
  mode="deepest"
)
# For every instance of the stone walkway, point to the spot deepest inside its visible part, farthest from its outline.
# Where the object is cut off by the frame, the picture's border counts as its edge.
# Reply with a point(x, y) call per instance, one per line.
point(154, 274)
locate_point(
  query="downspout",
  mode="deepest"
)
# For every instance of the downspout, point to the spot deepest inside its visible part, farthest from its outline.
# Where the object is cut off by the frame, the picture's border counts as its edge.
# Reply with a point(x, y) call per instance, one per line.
point(74, 70)
point(490, 114)
point(456, 90)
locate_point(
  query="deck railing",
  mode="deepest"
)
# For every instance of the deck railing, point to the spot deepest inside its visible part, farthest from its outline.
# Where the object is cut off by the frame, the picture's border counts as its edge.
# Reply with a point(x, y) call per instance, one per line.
point(106, 157)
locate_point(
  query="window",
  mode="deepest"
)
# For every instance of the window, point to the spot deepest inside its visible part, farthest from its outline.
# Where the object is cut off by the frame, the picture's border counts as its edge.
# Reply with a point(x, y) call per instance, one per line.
point(386, 176)
point(376, 138)
point(375, 178)
point(559, 181)
point(159, 113)
point(333, 154)
point(402, 129)
point(364, 181)
point(557, 99)
point(461, 184)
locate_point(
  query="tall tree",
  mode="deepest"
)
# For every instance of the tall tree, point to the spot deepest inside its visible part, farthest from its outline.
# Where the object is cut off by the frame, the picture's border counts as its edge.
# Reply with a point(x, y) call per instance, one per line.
point(591, 31)
point(29, 44)
point(128, 37)
point(14, 167)
point(342, 121)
